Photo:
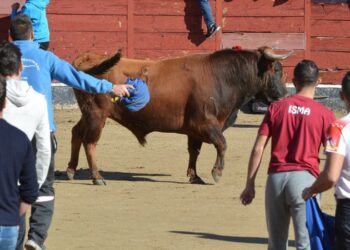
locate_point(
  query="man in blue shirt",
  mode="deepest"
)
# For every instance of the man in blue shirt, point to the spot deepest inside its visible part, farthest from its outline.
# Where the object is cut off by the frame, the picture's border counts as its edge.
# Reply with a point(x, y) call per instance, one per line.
point(17, 163)
point(40, 67)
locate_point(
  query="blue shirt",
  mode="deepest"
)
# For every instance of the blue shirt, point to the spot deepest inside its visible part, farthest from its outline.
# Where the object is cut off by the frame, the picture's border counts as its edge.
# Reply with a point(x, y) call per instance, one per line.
point(40, 67)
point(17, 162)
point(36, 11)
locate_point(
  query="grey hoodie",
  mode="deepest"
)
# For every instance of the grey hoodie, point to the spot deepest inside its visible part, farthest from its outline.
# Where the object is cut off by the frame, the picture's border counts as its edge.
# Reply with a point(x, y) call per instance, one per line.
point(26, 109)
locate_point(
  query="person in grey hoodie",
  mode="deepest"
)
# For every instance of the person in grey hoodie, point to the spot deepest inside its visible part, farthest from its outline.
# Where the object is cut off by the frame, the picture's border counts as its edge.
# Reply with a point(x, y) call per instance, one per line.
point(36, 11)
point(26, 109)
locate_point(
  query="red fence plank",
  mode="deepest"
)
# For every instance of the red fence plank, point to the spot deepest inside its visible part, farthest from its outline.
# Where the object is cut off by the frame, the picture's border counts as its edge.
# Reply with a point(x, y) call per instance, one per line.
point(169, 24)
point(86, 39)
point(169, 7)
point(169, 41)
point(246, 8)
point(92, 7)
point(338, 28)
point(339, 44)
point(264, 24)
point(331, 11)
point(288, 41)
point(333, 77)
point(87, 23)
point(331, 60)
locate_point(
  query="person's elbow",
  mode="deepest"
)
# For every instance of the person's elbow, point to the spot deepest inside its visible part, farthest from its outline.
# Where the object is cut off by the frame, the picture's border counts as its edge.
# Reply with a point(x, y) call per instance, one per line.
point(257, 150)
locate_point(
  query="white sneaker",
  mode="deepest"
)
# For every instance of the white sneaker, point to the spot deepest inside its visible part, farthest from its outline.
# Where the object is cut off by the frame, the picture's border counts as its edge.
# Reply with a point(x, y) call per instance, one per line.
point(32, 245)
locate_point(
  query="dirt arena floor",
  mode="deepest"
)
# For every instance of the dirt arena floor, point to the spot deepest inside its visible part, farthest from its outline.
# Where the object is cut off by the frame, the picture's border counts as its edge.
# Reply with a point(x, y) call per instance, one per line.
point(148, 202)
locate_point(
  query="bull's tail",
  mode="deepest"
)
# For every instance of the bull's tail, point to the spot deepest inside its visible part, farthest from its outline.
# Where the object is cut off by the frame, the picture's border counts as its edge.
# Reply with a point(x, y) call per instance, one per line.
point(105, 65)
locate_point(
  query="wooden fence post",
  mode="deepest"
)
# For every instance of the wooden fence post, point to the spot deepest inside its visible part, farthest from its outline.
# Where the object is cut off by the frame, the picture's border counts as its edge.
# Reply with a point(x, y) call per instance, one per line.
point(130, 29)
point(218, 14)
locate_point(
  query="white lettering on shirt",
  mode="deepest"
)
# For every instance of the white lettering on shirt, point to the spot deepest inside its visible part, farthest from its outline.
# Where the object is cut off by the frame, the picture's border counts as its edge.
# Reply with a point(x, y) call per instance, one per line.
point(295, 110)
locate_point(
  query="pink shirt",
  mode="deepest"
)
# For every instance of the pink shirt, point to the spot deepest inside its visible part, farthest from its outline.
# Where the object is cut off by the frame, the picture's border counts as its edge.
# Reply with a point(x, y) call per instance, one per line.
point(297, 126)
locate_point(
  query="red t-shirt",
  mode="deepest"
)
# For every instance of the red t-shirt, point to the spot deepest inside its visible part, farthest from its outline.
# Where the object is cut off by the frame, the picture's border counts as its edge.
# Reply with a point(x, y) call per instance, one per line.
point(297, 126)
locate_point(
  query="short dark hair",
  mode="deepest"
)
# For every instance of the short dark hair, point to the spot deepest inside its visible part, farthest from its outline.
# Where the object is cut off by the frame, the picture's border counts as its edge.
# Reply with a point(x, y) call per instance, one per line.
point(2, 92)
point(10, 59)
point(21, 28)
point(306, 73)
point(345, 85)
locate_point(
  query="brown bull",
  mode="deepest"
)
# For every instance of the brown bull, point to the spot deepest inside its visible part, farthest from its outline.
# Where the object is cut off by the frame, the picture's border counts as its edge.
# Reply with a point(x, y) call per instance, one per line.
point(196, 95)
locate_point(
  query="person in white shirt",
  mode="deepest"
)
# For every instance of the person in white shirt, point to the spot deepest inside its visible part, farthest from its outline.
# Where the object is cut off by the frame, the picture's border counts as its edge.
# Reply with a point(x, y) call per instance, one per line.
point(26, 109)
point(337, 170)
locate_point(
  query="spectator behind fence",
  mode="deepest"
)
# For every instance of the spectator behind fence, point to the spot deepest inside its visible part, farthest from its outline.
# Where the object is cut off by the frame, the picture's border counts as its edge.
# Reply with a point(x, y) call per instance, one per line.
point(36, 11)
point(17, 163)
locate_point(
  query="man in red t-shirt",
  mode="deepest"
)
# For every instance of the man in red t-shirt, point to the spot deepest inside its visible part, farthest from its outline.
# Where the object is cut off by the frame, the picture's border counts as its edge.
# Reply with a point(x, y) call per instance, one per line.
point(297, 126)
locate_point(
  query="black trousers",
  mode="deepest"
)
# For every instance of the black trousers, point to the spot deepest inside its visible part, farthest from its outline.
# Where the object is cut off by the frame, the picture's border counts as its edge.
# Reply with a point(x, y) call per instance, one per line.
point(42, 210)
point(342, 224)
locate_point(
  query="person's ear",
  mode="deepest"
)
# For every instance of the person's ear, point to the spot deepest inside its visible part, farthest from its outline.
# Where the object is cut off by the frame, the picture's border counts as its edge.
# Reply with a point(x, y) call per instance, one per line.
point(20, 69)
point(319, 80)
point(32, 35)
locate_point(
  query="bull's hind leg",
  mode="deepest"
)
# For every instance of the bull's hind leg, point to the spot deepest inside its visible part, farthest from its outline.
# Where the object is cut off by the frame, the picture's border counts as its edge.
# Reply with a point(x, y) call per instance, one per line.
point(77, 137)
point(219, 142)
point(194, 147)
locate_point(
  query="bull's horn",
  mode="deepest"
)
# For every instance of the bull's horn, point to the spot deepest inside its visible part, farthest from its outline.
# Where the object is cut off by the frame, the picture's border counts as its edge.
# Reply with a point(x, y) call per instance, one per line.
point(270, 55)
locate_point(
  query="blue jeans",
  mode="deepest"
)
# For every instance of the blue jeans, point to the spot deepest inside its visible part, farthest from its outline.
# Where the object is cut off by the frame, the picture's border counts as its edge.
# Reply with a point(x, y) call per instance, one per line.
point(206, 12)
point(8, 237)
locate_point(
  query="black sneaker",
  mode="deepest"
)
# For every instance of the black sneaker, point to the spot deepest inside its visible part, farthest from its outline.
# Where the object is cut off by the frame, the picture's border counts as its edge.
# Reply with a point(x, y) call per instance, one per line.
point(212, 30)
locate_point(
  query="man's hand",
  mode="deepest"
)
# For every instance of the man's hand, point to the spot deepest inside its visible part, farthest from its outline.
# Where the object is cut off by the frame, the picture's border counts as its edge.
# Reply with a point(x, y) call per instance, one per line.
point(307, 194)
point(15, 6)
point(248, 195)
point(122, 89)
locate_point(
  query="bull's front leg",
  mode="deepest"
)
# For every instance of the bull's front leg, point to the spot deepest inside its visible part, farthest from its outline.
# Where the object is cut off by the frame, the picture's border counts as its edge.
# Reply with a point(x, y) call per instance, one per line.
point(90, 151)
point(219, 141)
point(194, 147)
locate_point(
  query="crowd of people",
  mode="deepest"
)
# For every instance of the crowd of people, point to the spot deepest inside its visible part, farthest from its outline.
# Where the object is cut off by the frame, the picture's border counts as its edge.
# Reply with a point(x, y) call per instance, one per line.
point(297, 126)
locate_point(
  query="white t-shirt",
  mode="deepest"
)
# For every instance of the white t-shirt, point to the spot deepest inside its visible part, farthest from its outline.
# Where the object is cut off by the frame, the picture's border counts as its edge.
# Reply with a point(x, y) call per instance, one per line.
point(338, 141)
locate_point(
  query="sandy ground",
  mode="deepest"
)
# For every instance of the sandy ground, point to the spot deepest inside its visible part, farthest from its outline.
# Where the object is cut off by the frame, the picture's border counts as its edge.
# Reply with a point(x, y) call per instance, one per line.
point(148, 202)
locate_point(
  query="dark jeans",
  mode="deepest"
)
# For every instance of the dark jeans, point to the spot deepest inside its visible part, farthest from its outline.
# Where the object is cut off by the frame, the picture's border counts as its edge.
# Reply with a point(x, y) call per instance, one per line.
point(342, 225)
point(42, 210)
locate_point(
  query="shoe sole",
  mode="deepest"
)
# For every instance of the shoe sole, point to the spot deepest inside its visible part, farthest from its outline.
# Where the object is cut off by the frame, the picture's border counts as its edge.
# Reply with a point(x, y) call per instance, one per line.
point(215, 31)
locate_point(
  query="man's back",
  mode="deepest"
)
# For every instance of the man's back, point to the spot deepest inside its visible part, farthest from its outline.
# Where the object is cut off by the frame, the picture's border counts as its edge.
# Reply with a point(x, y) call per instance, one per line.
point(297, 126)
point(16, 163)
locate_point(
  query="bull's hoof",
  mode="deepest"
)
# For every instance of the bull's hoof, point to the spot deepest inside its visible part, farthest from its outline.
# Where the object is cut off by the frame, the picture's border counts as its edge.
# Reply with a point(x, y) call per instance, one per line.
point(196, 180)
point(70, 173)
point(99, 182)
point(216, 173)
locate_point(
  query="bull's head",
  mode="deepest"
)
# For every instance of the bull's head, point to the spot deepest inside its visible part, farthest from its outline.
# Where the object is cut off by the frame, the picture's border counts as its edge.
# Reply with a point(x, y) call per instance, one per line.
point(271, 75)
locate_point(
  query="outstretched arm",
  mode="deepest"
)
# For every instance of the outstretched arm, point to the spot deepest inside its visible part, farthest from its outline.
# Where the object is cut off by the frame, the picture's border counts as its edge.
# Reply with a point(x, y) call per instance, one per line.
point(248, 193)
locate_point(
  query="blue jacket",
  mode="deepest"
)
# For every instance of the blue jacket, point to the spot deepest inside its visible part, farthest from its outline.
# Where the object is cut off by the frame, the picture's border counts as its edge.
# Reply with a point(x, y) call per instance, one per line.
point(36, 11)
point(40, 67)
point(17, 162)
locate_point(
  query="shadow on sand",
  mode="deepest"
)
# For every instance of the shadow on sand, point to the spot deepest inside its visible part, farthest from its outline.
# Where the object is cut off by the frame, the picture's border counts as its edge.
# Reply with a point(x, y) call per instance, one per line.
point(84, 174)
point(238, 239)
